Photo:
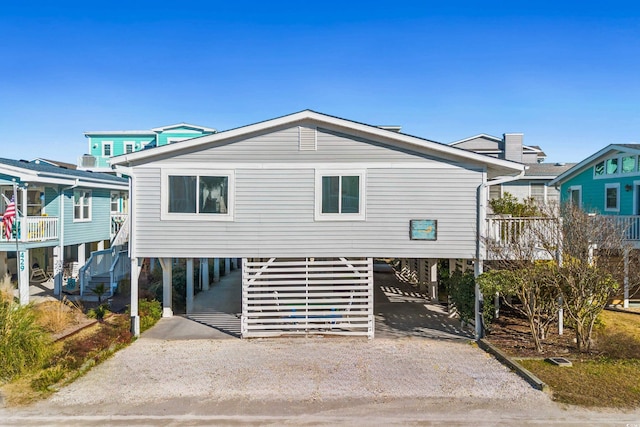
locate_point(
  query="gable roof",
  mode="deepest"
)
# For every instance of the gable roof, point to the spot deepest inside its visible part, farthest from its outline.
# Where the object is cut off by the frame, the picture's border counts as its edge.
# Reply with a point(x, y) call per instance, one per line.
point(183, 125)
point(151, 132)
point(32, 171)
point(497, 166)
point(579, 167)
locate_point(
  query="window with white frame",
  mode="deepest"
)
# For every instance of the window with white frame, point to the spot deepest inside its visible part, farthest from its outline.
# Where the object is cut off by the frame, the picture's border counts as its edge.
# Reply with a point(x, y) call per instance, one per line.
point(340, 195)
point(615, 166)
point(575, 195)
point(205, 195)
point(128, 147)
point(82, 205)
point(106, 149)
point(612, 197)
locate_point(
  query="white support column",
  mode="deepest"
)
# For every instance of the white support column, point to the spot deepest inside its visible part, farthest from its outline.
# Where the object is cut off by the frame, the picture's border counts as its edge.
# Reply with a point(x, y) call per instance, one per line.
point(58, 262)
point(135, 316)
point(227, 266)
point(23, 276)
point(452, 265)
point(189, 274)
point(82, 254)
point(167, 286)
point(234, 266)
point(432, 265)
point(100, 245)
point(216, 269)
point(204, 272)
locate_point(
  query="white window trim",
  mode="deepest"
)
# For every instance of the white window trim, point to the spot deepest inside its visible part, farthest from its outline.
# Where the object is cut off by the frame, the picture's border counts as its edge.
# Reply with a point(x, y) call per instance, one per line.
point(636, 189)
point(104, 146)
point(165, 215)
point(615, 185)
point(73, 204)
point(132, 144)
point(619, 173)
point(360, 216)
point(577, 188)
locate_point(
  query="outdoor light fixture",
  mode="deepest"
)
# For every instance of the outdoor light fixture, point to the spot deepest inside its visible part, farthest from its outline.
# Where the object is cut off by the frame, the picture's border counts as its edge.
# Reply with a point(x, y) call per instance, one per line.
point(628, 187)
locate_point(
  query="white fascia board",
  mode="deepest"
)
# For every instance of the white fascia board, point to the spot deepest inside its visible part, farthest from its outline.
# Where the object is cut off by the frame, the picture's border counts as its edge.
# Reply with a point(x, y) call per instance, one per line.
point(481, 135)
point(348, 127)
point(119, 133)
point(177, 125)
point(26, 175)
point(590, 160)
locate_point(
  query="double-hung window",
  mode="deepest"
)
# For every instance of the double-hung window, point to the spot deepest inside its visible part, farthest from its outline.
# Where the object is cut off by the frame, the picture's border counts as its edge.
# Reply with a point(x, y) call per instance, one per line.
point(82, 205)
point(340, 195)
point(106, 148)
point(206, 195)
point(612, 197)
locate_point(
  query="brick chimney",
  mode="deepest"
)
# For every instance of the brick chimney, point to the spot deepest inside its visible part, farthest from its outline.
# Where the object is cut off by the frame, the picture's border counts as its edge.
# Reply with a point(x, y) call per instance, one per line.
point(512, 146)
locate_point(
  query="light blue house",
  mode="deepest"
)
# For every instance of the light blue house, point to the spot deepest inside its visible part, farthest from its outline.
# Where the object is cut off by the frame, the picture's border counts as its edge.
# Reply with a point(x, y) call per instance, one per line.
point(105, 144)
point(64, 217)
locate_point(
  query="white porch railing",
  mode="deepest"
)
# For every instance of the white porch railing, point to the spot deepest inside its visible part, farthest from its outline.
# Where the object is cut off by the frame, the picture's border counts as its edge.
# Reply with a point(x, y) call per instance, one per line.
point(518, 238)
point(307, 296)
point(120, 268)
point(117, 221)
point(33, 229)
point(99, 263)
point(630, 224)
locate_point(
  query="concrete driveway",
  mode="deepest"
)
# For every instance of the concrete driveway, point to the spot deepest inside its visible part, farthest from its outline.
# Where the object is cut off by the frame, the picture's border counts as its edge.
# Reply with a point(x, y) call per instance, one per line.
point(183, 372)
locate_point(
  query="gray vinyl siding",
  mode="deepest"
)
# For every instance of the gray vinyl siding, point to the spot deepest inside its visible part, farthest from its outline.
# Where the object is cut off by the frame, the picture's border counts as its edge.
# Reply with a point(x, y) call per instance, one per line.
point(274, 216)
point(91, 231)
point(282, 146)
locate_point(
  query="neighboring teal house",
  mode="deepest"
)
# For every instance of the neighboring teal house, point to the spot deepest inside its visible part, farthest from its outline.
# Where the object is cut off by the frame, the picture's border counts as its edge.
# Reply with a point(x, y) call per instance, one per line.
point(106, 144)
point(64, 216)
point(607, 182)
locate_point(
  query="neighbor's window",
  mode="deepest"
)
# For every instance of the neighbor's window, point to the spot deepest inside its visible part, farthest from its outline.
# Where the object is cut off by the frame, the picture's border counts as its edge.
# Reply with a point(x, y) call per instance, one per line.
point(106, 149)
point(82, 205)
point(128, 147)
point(340, 196)
point(628, 164)
point(206, 195)
point(612, 166)
point(612, 197)
point(599, 169)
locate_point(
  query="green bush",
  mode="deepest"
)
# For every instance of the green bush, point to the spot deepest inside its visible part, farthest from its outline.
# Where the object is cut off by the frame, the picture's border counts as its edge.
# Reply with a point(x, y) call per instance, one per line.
point(47, 378)
point(150, 313)
point(24, 345)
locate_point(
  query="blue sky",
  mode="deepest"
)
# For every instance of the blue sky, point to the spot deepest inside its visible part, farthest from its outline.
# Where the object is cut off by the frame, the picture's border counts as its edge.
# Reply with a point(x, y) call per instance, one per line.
point(566, 74)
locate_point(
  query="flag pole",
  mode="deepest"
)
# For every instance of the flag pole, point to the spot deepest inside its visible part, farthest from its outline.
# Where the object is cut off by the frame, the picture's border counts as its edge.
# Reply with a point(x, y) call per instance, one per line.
point(15, 204)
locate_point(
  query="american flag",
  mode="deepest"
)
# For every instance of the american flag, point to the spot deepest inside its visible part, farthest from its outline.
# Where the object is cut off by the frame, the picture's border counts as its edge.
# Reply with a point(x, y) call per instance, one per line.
point(8, 218)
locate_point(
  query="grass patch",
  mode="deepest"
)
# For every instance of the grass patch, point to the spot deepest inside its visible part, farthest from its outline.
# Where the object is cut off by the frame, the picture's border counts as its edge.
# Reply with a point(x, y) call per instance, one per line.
point(594, 383)
point(608, 377)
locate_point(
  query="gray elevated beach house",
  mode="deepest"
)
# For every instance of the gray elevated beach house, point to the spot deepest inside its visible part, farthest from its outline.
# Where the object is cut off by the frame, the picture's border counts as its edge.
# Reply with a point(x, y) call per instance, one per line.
point(307, 201)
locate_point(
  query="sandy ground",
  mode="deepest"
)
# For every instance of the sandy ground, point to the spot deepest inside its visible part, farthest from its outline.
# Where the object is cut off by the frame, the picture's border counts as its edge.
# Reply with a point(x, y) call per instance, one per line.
point(419, 370)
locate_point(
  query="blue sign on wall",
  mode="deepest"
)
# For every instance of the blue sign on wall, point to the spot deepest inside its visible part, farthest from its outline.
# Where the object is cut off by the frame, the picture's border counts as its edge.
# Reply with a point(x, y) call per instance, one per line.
point(423, 229)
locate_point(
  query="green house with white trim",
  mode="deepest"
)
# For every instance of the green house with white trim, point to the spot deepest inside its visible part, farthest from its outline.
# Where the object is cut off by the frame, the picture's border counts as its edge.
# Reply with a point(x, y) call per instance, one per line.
point(608, 182)
point(102, 145)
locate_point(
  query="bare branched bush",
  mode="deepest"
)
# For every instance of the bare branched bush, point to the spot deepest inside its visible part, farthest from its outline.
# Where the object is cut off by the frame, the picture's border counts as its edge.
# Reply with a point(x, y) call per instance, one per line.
point(577, 256)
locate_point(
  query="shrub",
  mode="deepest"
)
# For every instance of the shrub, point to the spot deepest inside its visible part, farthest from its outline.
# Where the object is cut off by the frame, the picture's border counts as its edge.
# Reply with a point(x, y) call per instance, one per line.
point(47, 378)
point(24, 345)
point(150, 312)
